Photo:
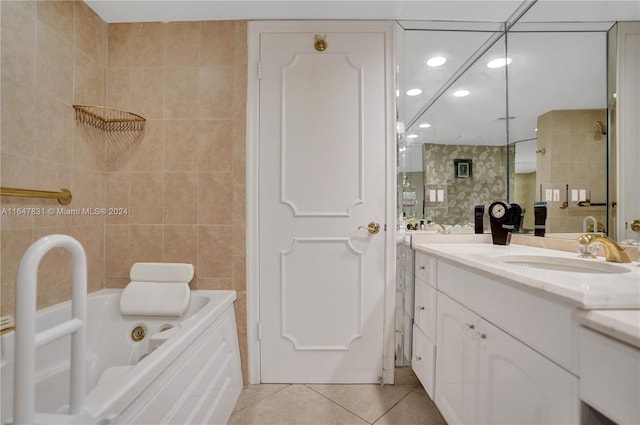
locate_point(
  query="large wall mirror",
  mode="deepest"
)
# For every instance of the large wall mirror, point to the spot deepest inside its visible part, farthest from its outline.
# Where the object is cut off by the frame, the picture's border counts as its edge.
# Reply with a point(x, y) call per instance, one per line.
point(558, 124)
point(518, 112)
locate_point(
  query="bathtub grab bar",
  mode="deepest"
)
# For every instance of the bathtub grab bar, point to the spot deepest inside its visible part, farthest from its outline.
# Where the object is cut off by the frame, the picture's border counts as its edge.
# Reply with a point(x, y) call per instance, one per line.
point(26, 338)
point(63, 195)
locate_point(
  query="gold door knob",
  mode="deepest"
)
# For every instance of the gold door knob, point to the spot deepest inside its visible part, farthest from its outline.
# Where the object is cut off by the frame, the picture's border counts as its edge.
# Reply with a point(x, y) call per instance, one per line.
point(372, 227)
point(635, 225)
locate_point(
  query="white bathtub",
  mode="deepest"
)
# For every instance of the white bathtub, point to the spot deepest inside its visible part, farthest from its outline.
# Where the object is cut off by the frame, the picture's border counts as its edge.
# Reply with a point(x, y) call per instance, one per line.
point(189, 374)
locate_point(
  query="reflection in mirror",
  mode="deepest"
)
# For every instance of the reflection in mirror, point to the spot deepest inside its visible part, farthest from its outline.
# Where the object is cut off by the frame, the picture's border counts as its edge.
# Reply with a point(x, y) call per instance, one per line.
point(448, 119)
point(469, 131)
point(558, 124)
point(557, 128)
point(524, 190)
point(432, 58)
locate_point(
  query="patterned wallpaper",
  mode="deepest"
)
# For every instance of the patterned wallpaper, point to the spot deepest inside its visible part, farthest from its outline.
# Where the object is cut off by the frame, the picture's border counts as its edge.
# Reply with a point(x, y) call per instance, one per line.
point(486, 183)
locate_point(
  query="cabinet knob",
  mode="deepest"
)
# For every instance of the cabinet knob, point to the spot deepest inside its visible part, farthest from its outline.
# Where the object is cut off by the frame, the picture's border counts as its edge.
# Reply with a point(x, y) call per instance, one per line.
point(419, 307)
point(418, 358)
point(478, 335)
point(421, 267)
point(470, 326)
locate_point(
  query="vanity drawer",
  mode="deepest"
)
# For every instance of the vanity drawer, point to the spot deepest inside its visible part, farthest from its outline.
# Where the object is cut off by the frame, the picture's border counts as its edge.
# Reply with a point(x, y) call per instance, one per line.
point(426, 269)
point(543, 324)
point(424, 361)
point(425, 309)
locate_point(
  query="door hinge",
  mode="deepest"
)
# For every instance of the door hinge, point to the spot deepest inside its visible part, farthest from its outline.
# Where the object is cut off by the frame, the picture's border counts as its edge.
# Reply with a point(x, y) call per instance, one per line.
point(259, 70)
point(385, 227)
point(259, 326)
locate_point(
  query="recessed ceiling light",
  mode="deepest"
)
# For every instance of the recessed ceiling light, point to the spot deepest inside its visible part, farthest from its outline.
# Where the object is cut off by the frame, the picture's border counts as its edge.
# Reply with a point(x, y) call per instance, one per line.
point(461, 93)
point(424, 125)
point(414, 92)
point(412, 136)
point(436, 61)
point(498, 63)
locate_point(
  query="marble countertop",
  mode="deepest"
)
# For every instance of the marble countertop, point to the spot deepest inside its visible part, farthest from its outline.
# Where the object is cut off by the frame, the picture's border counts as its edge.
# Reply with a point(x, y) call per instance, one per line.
point(585, 290)
point(623, 325)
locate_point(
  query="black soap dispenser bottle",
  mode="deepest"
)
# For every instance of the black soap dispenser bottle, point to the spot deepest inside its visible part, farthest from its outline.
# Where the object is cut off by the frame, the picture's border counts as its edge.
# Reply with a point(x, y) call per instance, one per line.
point(478, 214)
point(500, 217)
point(540, 218)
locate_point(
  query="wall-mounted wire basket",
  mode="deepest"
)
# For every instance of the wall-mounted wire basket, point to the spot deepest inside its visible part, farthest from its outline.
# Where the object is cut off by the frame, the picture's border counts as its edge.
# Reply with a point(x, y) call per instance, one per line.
point(115, 124)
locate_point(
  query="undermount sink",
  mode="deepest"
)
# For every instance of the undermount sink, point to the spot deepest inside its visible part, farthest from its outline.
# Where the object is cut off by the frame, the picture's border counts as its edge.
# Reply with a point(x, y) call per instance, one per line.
point(559, 264)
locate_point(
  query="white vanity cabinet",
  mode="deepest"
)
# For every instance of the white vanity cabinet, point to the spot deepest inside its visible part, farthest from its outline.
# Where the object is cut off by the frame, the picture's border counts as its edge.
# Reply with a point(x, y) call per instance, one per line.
point(484, 375)
point(424, 319)
point(456, 371)
point(610, 376)
point(517, 385)
point(498, 354)
point(545, 325)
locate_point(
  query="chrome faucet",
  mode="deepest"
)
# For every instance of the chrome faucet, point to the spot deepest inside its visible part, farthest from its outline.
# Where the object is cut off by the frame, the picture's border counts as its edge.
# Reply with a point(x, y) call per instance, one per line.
point(612, 251)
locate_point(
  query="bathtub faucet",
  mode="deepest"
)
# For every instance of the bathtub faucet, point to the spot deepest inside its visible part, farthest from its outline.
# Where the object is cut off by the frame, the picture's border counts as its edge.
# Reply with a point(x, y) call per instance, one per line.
point(585, 225)
point(612, 251)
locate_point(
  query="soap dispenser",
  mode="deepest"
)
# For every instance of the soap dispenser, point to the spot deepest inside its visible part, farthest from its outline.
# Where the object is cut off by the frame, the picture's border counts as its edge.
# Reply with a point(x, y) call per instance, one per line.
point(540, 218)
point(501, 219)
point(478, 213)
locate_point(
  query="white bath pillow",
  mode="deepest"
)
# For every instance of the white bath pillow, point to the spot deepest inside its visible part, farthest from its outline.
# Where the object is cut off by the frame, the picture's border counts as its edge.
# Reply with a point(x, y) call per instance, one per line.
point(161, 272)
point(155, 299)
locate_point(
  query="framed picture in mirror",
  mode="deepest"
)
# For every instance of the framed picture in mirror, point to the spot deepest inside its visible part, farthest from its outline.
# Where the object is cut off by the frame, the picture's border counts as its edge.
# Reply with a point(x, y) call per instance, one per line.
point(462, 168)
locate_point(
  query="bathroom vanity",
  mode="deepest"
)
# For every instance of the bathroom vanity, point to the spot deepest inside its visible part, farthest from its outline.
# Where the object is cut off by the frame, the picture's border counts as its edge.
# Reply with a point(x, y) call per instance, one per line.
point(506, 334)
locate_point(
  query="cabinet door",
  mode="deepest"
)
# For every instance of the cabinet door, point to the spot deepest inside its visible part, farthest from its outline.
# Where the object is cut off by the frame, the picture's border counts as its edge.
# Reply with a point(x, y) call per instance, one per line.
point(426, 268)
point(456, 366)
point(520, 386)
point(425, 309)
point(424, 360)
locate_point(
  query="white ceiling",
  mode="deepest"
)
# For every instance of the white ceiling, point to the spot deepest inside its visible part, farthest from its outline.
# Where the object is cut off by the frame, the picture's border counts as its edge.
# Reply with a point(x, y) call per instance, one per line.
point(432, 10)
point(186, 10)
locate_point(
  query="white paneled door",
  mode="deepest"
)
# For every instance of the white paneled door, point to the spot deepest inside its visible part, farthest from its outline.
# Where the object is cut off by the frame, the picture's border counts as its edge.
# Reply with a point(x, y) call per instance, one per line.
point(322, 179)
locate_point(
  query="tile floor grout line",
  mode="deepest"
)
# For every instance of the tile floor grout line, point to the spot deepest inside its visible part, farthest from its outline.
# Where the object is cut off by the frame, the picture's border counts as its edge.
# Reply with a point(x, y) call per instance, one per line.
point(338, 404)
point(260, 399)
point(391, 408)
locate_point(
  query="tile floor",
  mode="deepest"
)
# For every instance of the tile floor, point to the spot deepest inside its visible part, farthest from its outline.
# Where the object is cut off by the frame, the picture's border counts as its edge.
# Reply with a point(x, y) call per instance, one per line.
point(405, 403)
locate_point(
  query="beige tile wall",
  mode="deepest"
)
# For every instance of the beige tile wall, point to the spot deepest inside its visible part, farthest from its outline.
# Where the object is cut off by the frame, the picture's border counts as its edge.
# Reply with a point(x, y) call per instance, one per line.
point(183, 184)
point(576, 154)
point(53, 55)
